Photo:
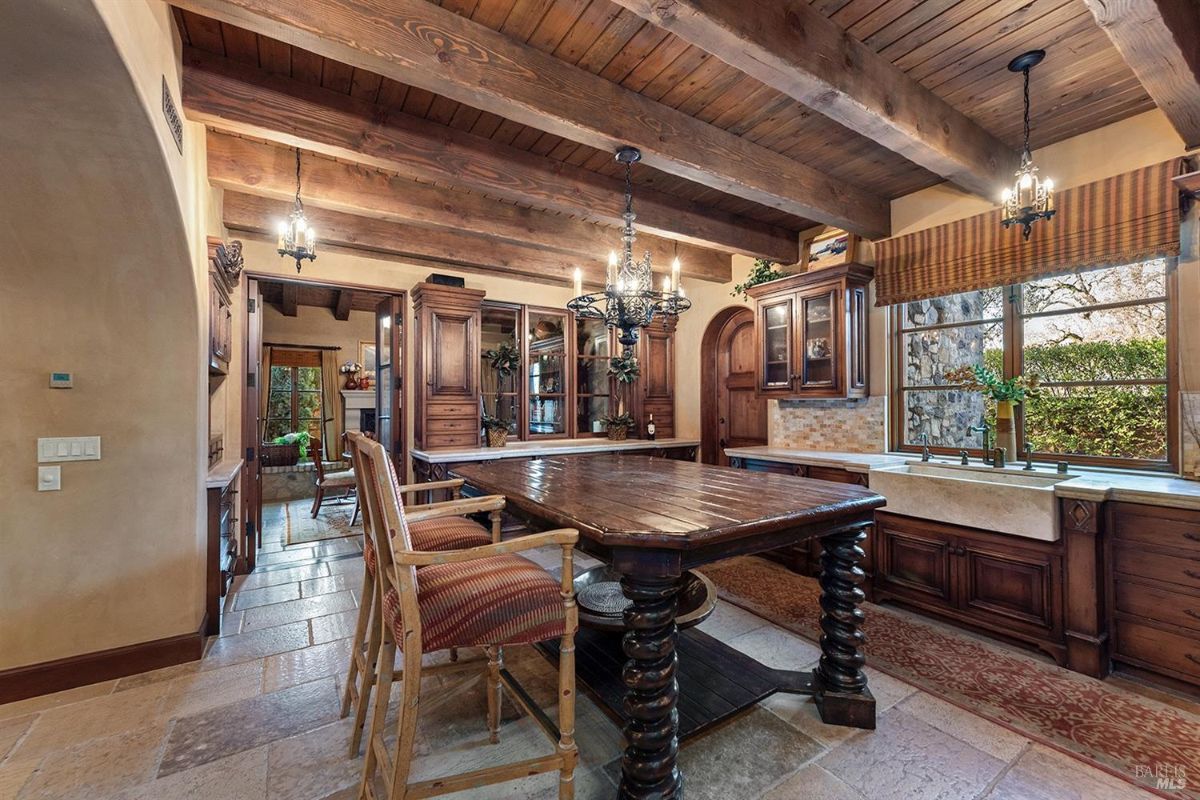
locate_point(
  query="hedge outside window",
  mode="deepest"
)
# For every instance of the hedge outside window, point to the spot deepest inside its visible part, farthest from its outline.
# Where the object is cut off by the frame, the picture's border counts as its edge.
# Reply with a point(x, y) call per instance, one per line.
point(1097, 339)
point(294, 403)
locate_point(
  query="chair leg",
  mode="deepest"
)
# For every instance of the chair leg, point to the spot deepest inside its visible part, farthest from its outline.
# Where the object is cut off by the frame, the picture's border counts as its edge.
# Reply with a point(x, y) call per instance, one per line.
point(383, 696)
point(317, 501)
point(354, 516)
point(406, 733)
point(495, 658)
point(369, 628)
point(366, 600)
point(566, 716)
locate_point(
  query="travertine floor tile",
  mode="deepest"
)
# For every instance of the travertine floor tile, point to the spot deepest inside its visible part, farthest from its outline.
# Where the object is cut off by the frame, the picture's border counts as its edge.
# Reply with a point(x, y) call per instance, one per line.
point(1045, 774)
point(333, 626)
point(800, 711)
point(352, 568)
point(255, 644)
point(164, 675)
point(65, 726)
point(242, 776)
point(334, 583)
point(307, 664)
point(193, 694)
point(289, 556)
point(45, 701)
point(98, 768)
point(313, 764)
point(965, 726)
point(813, 783)
point(249, 598)
point(888, 691)
point(907, 758)
point(295, 610)
point(339, 547)
point(223, 731)
point(273, 577)
point(14, 774)
point(777, 648)
point(728, 622)
point(11, 731)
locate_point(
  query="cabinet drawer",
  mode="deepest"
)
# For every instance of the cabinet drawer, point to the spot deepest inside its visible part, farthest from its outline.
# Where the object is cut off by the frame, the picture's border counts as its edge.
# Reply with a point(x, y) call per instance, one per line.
point(452, 425)
point(777, 467)
point(835, 474)
point(1164, 605)
point(1167, 527)
point(1131, 560)
point(1158, 648)
point(451, 410)
point(433, 440)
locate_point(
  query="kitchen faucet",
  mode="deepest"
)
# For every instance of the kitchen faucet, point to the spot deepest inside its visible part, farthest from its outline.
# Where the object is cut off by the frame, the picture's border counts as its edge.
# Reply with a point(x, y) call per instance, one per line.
point(987, 437)
point(924, 441)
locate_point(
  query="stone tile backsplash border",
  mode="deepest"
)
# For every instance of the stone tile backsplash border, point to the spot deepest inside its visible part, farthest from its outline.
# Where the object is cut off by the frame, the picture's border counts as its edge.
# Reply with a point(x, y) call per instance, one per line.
point(848, 425)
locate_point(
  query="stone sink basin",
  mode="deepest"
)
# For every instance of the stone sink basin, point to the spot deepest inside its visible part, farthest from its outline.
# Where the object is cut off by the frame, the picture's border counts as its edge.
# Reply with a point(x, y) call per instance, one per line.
point(1003, 500)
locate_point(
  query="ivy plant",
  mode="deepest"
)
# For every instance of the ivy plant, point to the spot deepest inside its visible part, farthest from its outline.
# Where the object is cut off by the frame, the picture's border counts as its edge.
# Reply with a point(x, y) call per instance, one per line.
point(763, 272)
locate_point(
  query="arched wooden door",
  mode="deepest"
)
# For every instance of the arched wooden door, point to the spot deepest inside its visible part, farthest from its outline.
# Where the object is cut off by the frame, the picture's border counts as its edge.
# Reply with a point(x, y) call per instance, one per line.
point(731, 414)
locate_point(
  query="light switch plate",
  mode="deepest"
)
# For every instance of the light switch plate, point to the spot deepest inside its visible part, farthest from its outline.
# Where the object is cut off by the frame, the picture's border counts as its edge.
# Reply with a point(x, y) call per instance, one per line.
point(49, 479)
point(68, 448)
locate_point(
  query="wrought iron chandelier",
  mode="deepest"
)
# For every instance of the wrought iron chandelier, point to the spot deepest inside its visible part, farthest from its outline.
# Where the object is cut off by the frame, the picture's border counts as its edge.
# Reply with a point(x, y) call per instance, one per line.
point(629, 301)
point(296, 238)
point(1030, 199)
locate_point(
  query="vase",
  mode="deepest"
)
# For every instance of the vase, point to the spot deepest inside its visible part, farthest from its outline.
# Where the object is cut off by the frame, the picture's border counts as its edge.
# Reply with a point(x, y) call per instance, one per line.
point(617, 433)
point(497, 437)
point(1006, 429)
point(351, 383)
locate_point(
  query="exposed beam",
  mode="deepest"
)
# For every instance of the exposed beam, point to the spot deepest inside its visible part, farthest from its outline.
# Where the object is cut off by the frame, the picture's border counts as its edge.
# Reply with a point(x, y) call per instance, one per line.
point(791, 46)
point(269, 171)
point(230, 96)
point(345, 301)
point(289, 300)
point(424, 45)
point(1160, 41)
point(438, 247)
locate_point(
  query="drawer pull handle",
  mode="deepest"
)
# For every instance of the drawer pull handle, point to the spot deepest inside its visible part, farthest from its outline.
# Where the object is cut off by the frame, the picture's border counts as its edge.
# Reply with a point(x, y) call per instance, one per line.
point(1195, 537)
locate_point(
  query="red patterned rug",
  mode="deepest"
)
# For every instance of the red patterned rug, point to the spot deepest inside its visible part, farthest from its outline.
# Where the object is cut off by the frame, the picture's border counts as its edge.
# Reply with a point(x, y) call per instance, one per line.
point(1119, 731)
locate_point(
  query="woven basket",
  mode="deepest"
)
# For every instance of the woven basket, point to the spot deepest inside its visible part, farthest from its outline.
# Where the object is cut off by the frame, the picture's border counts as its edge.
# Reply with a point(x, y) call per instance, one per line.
point(497, 437)
point(617, 433)
point(280, 455)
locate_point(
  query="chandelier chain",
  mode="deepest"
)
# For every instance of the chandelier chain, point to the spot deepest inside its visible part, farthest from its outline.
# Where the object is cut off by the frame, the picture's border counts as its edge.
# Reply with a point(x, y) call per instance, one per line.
point(1026, 152)
point(300, 203)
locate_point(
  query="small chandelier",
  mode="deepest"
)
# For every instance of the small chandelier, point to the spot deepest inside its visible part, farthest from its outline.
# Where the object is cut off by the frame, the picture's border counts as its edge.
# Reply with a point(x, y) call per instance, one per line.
point(1030, 199)
point(296, 238)
point(629, 301)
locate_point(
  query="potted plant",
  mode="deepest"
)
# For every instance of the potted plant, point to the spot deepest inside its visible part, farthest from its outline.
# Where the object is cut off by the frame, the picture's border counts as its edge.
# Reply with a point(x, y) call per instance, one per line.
point(763, 272)
point(617, 425)
point(624, 368)
point(505, 360)
point(286, 450)
point(1007, 392)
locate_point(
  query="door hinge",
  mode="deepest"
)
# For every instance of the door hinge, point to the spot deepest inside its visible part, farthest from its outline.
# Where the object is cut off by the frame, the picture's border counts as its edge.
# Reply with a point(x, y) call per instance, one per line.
point(252, 303)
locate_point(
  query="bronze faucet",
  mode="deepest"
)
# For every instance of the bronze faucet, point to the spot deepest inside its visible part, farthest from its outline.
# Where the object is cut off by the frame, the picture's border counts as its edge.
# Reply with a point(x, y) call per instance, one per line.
point(987, 438)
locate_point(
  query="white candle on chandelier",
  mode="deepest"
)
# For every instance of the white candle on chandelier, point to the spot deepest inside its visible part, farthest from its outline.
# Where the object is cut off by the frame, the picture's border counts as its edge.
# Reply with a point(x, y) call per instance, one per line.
point(311, 240)
point(578, 282)
point(666, 285)
point(282, 234)
point(675, 274)
point(679, 290)
point(612, 269)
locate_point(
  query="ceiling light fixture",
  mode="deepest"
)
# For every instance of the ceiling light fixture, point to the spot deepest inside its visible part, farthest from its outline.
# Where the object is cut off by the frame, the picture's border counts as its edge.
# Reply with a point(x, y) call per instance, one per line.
point(1030, 199)
point(296, 238)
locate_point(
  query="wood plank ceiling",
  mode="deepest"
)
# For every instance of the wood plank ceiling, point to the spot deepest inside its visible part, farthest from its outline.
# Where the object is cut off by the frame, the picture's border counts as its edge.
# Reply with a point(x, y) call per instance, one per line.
point(958, 49)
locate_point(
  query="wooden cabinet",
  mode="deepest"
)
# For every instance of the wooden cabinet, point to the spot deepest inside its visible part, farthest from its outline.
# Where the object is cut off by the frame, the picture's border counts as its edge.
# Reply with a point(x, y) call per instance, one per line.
point(1154, 602)
point(222, 550)
point(654, 390)
point(1005, 584)
point(446, 323)
point(811, 334)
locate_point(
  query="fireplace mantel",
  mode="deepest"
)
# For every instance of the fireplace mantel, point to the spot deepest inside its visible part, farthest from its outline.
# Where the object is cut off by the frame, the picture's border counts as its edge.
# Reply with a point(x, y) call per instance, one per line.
point(353, 403)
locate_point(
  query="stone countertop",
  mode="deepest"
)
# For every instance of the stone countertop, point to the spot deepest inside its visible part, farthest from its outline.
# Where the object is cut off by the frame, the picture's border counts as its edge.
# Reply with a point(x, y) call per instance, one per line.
point(852, 462)
point(1096, 485)
point(549, 447)
point(222, 473)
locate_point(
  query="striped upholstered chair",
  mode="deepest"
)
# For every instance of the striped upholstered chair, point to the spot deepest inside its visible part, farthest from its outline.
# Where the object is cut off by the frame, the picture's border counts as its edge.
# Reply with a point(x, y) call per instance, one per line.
point(485, 597)
point(437, 526)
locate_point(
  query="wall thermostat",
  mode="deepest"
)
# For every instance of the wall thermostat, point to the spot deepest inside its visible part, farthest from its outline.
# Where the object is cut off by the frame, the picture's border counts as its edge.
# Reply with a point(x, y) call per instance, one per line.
point(61, 380)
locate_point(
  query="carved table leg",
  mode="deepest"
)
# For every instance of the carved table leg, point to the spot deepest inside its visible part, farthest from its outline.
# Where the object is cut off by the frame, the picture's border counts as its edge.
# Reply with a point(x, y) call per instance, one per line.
point(648, 768)
point(841, 686)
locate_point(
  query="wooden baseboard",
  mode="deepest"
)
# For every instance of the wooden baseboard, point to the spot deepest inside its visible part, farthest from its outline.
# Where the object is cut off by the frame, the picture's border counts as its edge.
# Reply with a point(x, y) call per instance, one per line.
point(67, 673)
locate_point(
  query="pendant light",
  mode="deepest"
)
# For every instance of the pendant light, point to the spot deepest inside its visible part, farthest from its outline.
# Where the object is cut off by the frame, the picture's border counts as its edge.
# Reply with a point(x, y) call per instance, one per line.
point(1030, 199)
point(296, 239)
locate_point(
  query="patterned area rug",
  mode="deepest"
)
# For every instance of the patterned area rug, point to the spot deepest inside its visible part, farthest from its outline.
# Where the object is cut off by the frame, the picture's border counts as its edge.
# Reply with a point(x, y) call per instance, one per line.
point(331, 522)
point(1117, 730)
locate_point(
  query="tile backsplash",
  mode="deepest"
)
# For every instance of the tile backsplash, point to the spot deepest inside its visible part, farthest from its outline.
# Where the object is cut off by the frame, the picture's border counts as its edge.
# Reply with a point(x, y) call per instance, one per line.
point(855, 426)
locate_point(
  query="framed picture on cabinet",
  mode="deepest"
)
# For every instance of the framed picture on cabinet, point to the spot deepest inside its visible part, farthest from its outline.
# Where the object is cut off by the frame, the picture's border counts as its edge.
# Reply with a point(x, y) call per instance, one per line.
point(829, 249)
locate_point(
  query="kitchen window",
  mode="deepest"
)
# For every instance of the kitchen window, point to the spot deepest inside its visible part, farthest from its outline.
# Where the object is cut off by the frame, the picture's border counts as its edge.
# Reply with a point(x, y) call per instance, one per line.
point(1097, 339)
point(294, 402)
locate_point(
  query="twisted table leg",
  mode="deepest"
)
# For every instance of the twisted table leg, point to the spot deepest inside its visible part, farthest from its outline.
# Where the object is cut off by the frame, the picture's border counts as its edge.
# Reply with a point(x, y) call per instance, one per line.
point(648, 768)
point(842, 695)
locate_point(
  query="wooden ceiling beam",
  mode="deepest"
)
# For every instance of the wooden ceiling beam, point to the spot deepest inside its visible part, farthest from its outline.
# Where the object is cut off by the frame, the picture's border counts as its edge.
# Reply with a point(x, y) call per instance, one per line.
point(1160, 41)
point(268, 170)
point(432, 48)
point(345, 302)
point(441, 248)
point(794, 48)
point(289, 300)
point(233, 97)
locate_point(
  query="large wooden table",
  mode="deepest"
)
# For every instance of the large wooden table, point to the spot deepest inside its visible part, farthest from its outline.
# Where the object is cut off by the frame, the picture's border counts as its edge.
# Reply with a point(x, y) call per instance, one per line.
point(653, 519)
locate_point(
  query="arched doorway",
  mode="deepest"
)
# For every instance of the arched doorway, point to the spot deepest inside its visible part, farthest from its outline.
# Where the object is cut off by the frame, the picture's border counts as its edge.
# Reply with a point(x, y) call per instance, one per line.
point(731, 415)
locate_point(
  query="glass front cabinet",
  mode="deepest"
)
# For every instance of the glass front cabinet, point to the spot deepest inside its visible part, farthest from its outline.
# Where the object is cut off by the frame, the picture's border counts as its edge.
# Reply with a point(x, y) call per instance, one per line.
point(811, 336)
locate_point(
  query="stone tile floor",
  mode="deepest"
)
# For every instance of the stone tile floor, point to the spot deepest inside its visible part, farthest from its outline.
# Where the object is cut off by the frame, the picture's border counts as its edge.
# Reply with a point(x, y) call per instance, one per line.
point(257, 719)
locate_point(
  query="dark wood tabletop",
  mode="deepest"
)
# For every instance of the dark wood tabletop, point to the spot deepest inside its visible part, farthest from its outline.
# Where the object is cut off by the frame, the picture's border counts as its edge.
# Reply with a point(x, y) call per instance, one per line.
point(625, 500)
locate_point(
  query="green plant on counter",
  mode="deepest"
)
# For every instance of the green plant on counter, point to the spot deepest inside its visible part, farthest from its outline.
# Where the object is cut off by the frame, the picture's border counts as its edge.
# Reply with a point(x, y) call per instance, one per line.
point(302, 439)
point(623, 420)
point(624, 368)
point(505, 360)
point(763, 272)
point(988, 382)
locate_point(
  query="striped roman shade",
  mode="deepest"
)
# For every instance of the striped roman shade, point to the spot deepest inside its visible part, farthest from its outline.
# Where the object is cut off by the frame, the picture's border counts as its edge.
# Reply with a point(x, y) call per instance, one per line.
point(1118, 220)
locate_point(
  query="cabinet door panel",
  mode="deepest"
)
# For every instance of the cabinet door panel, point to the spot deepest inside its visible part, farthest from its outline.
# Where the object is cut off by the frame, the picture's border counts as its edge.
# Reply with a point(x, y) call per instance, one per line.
point(1011, 586)
point(913, 564)
point(776, 326)
point(453, 354)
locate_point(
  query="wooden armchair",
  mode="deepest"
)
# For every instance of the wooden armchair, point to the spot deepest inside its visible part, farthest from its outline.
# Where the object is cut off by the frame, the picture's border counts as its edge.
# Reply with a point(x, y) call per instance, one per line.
point(332, 481)
point(438, 526)
point(481, 596)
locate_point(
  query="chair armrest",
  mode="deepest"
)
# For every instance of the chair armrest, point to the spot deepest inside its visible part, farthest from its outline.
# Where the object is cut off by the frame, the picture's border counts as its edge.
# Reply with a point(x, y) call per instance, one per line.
point(455, 508)
point(564, 537)
point(453, 483)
